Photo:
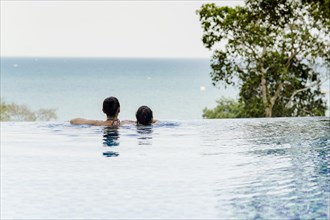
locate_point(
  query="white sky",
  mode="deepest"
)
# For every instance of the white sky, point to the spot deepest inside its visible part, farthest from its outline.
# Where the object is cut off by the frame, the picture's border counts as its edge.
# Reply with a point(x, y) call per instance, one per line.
point(103, 28)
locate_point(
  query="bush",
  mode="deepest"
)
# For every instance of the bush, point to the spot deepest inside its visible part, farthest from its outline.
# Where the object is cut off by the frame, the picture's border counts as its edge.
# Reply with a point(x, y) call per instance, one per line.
point(15, 112)
point(226, 108)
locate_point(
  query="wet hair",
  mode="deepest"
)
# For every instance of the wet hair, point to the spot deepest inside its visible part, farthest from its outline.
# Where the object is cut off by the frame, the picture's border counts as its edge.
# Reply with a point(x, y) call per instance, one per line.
point(110, 106)
point(144, 115)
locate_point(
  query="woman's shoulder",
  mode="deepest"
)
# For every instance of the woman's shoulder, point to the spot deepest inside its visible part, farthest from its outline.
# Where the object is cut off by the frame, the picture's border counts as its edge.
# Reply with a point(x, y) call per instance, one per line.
point(112, 122)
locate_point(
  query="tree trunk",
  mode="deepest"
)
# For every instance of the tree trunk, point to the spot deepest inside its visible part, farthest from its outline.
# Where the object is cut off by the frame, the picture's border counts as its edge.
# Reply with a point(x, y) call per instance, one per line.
point(267, 105)
point(268, 111)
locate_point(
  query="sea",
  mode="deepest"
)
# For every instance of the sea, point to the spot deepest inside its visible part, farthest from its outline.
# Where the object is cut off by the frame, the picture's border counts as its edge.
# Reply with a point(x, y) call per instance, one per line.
point(175, 89)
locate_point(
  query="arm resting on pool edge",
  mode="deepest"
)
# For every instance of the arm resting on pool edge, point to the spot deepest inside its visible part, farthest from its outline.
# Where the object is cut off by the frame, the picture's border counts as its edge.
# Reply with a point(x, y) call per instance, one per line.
point(82, 121)
point(124, 122)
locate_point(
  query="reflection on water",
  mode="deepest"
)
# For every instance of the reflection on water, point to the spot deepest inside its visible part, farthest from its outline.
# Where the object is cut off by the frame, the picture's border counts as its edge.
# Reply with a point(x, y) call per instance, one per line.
point(145, 135)
point(110, 154)
point(110, 139)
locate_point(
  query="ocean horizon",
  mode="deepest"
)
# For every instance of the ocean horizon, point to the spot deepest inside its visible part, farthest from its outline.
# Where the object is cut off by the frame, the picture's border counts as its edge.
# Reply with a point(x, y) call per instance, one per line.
point(174, 88)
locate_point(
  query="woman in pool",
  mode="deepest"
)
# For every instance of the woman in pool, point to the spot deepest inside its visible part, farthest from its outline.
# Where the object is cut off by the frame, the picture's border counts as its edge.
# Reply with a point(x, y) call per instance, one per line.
point(111, 108)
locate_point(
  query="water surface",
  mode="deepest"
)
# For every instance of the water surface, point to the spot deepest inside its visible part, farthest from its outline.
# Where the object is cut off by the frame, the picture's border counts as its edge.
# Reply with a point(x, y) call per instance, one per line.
point(203, 169)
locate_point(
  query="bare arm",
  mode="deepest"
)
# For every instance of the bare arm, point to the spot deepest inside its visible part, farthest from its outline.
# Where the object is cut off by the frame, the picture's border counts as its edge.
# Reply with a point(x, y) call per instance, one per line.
point(155, 121)
point(124, 122)
point(82, 121)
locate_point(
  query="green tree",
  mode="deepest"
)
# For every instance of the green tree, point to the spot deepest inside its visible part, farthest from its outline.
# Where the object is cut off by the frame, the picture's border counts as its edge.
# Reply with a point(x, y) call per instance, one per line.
point(226, 108)
point(278, 51)
point(14, 112)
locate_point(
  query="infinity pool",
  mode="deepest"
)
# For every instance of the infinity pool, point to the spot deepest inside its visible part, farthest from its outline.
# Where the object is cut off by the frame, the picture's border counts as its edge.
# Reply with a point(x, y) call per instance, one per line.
point(205, 169)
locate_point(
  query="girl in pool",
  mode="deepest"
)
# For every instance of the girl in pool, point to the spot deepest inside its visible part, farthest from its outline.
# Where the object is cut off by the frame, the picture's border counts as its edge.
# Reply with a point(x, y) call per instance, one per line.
point(143, 116)
point(111, 108)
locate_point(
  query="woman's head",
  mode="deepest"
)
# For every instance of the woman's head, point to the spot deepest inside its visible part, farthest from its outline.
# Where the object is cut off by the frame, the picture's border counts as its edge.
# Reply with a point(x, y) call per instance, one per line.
point(144, 115)
point(111, 106)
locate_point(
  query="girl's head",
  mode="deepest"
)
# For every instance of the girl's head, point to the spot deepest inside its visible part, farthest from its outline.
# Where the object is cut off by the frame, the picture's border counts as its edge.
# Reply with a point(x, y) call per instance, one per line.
point(144, 115)
point(111, 106)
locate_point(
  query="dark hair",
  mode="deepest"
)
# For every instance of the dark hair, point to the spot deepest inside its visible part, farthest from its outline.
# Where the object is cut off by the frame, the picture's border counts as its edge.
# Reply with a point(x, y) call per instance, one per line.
point(144, 115)
point(110, 106)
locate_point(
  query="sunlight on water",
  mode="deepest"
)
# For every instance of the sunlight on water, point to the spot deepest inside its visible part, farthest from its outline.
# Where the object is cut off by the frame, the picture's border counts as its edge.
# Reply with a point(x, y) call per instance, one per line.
point(202, 169)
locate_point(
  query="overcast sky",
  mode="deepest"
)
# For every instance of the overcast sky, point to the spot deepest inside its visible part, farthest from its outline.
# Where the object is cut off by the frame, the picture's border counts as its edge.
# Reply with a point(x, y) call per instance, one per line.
point(103, 28)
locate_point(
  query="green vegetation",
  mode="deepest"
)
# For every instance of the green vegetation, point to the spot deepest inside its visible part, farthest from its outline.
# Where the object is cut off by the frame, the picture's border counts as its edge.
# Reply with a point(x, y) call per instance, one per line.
point(276, 49)
point(14, 112)
point(226, 108)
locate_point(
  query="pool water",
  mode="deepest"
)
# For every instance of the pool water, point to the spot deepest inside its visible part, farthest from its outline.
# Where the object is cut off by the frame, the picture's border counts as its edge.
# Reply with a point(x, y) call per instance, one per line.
point(203, 169)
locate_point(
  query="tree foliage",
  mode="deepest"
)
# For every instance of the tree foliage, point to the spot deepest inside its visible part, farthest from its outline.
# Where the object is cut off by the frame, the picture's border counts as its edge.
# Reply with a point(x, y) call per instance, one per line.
point(15, 112)
point(226, 108)
point(278, 51)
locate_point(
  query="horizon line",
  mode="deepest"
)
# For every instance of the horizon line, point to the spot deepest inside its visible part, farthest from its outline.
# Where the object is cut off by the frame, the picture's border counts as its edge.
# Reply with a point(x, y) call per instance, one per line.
point(120, 57)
